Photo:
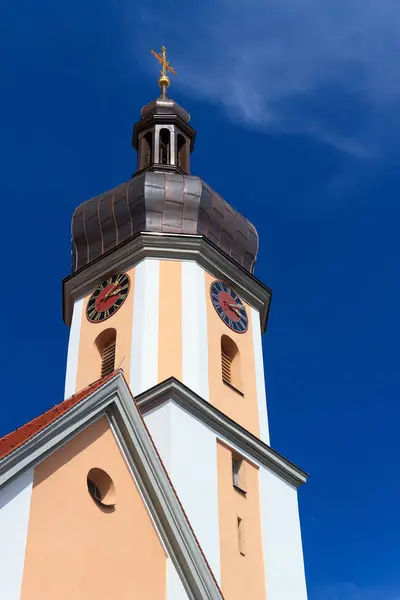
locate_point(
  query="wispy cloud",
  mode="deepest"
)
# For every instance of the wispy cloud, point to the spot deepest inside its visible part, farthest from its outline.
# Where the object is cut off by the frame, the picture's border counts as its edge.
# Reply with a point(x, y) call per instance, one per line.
point(330, 69)
point(351, 591)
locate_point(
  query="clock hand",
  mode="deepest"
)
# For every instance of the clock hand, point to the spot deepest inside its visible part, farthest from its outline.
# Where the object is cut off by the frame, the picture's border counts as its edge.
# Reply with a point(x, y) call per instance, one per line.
point(117, 291)
point(235, 310)
point(239, 306)
point(109, 293)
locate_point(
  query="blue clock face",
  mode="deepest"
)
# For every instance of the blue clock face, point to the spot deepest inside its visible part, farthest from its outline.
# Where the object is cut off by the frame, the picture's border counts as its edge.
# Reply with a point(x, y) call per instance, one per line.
point(229, 306)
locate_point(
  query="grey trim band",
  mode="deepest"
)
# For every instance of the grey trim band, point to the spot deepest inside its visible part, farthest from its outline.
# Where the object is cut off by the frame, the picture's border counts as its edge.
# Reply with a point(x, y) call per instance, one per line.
point(172, 389)
point(171, 247)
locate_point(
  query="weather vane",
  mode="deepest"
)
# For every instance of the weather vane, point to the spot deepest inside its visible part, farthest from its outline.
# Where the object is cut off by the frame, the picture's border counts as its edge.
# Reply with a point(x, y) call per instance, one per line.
point(164, 81)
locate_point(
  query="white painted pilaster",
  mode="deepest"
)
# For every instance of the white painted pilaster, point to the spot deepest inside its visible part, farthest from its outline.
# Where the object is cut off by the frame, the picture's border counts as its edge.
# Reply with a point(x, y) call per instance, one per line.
point(260, 378)
point(144, 348)
point(158, 422)
point(281, 534)
point(73, 349)
point(15, 502)
point(188, 449)
point(194, 329)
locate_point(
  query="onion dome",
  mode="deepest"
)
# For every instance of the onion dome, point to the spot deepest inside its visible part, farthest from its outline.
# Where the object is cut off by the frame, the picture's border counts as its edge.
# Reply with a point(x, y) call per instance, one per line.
point(163, 203)
point(162, 196)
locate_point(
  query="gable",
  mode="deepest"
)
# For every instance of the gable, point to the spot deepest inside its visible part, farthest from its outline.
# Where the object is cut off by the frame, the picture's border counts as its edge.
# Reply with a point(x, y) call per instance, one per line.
point(111, 398)
point(78, 549)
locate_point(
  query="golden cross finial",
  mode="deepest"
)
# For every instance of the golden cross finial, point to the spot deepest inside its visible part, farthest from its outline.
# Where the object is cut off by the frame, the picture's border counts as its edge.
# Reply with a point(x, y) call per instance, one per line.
point(165, 66)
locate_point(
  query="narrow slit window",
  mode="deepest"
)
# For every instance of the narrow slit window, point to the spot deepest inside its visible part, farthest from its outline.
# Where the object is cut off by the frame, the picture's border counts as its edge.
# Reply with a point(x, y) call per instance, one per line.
point(241, 537)
point(238, 472)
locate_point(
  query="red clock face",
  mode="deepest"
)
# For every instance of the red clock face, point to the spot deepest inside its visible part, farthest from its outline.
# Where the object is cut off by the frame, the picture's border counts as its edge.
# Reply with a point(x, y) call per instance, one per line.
point(108, 298)
point(229, 306)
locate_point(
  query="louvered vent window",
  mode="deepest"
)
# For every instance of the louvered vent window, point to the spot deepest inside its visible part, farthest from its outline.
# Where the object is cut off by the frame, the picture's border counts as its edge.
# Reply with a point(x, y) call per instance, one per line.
point(230, 364)
point(226, 362)
point(108, 359)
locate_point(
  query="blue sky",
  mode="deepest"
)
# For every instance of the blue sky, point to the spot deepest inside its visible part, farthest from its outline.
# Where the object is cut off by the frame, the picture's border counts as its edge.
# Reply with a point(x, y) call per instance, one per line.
point(296, 108)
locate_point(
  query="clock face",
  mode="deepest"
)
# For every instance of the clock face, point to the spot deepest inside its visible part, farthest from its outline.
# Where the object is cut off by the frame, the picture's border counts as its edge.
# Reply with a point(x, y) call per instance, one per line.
point(108, 298)
point(229, 306)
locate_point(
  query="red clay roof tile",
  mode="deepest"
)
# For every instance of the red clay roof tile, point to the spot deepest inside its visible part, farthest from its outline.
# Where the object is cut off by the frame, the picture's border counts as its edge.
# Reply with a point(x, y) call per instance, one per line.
point(13, 440)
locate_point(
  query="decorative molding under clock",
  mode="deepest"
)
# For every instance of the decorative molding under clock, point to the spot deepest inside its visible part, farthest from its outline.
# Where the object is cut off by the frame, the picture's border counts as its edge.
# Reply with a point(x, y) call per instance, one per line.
point(167, 246)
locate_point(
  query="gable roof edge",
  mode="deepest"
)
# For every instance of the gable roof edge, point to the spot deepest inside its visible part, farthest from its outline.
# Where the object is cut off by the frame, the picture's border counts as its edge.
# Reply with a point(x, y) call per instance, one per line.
point(188, 400)
point(59, 431)
point(115, 401)
point(159, 493)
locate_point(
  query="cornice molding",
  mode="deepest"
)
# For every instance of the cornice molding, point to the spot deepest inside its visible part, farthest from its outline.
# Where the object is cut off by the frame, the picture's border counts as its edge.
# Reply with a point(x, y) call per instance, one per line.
point(173, 390)
point(170, 247)
point(115, 401)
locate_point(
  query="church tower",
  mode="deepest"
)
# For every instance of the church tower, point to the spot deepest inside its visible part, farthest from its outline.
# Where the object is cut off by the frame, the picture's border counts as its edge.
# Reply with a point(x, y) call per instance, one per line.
point(162, 289)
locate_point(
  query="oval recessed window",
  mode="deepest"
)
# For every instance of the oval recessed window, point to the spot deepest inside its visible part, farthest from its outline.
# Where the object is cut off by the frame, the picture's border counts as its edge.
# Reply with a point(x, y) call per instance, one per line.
point(101, 487)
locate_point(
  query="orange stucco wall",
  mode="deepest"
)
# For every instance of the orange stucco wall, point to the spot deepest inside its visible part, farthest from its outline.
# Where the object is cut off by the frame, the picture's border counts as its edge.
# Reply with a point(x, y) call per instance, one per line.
point(77, 551)
point(89, 363)
point(243, 410)
point(241, 576)
point(170, 321)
